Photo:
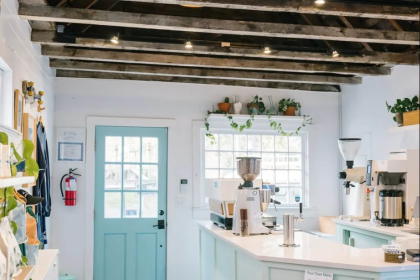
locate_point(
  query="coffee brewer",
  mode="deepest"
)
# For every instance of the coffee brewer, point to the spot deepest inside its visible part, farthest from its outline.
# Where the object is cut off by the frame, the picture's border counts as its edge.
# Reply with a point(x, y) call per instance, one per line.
point(249, 201)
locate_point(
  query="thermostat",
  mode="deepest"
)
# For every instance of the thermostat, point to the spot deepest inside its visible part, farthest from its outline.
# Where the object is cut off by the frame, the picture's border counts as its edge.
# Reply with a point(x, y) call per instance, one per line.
point(183, 186)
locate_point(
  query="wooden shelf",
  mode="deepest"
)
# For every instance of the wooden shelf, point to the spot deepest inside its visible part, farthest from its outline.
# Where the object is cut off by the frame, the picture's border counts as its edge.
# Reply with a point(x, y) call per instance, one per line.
point(16, 181)
point(257, 117)
point(26, 273)
point(404, 128)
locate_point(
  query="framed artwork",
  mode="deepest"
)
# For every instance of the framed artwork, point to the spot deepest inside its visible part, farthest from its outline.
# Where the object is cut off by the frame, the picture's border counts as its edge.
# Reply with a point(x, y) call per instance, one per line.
point(18, 112)
point(29, 133)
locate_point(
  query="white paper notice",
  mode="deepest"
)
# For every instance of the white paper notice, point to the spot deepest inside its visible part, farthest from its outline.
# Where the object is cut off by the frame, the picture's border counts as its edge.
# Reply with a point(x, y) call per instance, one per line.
point(71, 144)
point(317, 275)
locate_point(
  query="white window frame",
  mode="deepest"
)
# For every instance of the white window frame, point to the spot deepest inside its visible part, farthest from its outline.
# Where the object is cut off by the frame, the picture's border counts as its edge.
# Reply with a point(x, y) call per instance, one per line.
point(260, 127)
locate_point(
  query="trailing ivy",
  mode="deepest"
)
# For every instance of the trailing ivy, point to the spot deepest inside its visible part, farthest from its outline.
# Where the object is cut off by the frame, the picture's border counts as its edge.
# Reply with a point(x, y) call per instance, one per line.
point(279, 128)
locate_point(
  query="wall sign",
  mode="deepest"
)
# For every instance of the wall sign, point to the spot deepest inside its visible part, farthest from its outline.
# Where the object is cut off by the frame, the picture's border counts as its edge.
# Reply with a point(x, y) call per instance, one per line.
point(71, 144)
point(317, 275)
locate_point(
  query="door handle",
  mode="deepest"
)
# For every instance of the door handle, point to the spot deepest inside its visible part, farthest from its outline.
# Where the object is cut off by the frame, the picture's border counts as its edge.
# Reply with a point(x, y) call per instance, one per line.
point(160, 225)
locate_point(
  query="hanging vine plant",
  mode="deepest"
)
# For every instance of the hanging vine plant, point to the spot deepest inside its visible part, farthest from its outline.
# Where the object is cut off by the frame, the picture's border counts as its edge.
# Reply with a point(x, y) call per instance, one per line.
point(279, 128)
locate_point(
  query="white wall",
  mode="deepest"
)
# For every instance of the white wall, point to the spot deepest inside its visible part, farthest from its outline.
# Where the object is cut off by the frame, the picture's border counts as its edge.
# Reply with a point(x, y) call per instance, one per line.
point(78, 98)
point(364, 114)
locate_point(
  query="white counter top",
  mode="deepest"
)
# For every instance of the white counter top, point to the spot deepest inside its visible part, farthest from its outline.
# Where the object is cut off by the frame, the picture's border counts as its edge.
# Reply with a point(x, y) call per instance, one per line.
point(392, 231)
point(313, 250)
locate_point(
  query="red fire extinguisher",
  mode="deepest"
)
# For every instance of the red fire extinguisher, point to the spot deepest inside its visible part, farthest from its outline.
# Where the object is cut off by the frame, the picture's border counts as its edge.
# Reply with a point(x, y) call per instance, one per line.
point(69, 196)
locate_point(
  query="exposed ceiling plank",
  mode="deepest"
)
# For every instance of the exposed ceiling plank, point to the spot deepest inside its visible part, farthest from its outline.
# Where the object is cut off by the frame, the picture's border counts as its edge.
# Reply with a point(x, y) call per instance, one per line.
point(104, 4)
point(242, 83)
point(49, 38)
point(349, 25)
point(208, 62)
point(208, 73)
point(134, 20)
point(303, 6)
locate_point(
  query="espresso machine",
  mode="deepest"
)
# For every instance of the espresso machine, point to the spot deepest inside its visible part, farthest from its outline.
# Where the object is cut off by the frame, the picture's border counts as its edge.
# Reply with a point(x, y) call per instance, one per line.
point(250, 202)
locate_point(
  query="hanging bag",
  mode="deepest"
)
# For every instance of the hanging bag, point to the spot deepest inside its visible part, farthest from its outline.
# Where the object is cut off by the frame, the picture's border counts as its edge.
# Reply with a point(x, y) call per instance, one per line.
point(18, 215)
point(10, 248)
point(2, 266)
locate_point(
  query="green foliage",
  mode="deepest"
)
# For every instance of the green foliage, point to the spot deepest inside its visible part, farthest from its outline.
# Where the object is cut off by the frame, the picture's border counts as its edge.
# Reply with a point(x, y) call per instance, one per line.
point(227, 100)
point(256, 102)
point(233, 124)
point(284, 103)
point(31, 166)
point(403, 106)
point(24, 261)
point(278, 126)
point(4, 138)
point(14, 226)
point(7, 194)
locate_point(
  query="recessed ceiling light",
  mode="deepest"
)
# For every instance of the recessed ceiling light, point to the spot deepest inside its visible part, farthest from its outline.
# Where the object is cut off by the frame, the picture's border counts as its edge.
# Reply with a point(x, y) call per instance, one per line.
point(188, 44)
point(319, 2)
point(115, 39)
point(335, 54)
point(267, 50)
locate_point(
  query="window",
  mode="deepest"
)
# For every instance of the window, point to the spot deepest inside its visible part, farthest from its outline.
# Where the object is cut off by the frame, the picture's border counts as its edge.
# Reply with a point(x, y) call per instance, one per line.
point(283, 161)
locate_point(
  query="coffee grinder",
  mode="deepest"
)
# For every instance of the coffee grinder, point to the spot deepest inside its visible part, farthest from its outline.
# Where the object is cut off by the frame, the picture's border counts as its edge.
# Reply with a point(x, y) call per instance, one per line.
point(250, 202)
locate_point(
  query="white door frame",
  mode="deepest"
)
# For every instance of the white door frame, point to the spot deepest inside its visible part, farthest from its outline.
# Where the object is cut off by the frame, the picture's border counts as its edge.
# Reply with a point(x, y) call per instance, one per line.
point(92, 122)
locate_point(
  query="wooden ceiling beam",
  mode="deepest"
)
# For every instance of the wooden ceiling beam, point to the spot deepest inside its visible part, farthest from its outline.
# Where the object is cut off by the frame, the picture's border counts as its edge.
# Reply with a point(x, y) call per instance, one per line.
point(303, 6)
point(138, 77)
point(208, 62)
point(263, 29)
point(208, 73)
point(49, 38)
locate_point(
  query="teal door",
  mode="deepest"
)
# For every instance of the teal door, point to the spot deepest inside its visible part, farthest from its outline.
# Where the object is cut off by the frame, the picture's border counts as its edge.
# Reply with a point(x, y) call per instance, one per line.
point(130, 203)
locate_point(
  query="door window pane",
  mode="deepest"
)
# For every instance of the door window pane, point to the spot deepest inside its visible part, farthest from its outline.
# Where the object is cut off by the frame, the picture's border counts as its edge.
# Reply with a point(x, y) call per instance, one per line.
point(131, 205)
point(131, 177)
point(113, 149)
point(131, 149)
point(150, 150)
point(149, 205)
point(112, 205)
point(295, 161)
point(295, 144)
point(149, 178)
point(226, 160)
point(212, 160)
point(113, 176)
point(226, 142)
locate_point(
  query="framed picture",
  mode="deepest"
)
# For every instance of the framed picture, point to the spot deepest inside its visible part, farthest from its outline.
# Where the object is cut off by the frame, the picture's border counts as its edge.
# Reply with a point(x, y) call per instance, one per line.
point(18, 112)
point(29, 133)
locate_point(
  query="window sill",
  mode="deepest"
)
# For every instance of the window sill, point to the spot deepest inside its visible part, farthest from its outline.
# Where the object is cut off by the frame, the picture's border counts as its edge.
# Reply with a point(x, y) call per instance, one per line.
point(203, 213)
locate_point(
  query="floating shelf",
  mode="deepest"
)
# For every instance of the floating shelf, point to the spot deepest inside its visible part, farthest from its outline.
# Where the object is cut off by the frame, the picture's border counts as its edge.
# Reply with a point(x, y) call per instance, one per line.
point(26, 273)
point(404, 128)
point(256, 117)
point(15, 181)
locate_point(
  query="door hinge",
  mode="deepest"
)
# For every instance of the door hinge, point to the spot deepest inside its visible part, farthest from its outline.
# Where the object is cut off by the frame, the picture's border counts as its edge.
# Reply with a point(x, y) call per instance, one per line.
point(95, 146)
point(94, 214)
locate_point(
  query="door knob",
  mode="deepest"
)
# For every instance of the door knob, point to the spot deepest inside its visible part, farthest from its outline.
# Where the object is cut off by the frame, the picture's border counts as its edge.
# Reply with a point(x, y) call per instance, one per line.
point(160, 225)
point(161, 212)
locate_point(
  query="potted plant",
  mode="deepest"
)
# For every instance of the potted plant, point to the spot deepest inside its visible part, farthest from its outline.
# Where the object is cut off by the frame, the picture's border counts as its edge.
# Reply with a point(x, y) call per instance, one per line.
point(225, 107)
point(406, 111)
point(289, 106)
point(256, 107)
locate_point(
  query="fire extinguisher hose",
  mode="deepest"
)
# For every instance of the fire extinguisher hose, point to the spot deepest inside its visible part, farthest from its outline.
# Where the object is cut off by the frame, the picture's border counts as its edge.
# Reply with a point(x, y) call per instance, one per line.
point(61, 186)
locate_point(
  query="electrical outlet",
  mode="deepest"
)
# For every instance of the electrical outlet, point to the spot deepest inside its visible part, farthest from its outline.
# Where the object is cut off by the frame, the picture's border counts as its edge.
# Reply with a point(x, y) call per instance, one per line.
point(179, 201)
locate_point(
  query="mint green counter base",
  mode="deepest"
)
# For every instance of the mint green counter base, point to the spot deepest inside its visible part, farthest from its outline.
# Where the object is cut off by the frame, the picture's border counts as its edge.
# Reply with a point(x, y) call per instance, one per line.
point(221, 261)
point(360, 238)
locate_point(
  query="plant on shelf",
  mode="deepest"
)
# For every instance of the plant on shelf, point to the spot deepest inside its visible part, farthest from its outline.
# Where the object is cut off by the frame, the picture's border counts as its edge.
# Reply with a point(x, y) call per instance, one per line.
point(233, 124)
point(289, 106)
point(256, 107)
point(307, 120)
point(402, 107)
point(225, 107)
